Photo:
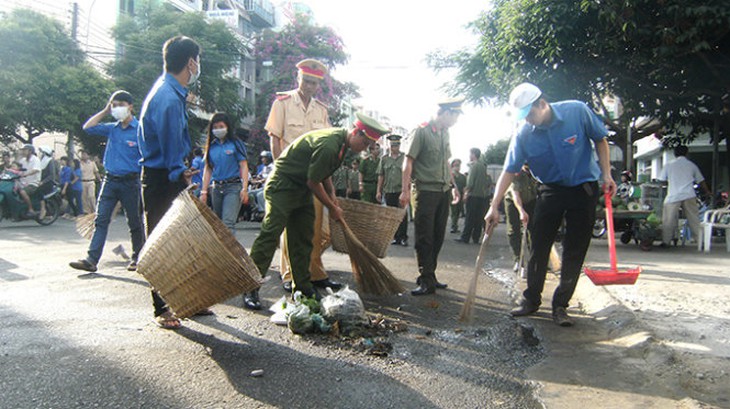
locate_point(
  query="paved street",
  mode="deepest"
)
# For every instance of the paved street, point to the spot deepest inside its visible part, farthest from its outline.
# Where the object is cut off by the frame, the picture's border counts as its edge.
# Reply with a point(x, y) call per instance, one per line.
point(74, 342)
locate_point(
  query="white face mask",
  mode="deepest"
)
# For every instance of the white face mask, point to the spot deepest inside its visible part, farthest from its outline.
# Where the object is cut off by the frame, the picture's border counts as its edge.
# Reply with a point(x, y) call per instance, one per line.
point(194, 77)
point(120, 113)
point(220, 132)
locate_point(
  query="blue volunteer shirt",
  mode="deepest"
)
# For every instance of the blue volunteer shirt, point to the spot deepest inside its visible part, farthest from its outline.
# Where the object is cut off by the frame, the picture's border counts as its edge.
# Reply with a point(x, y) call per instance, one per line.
point(121, 156)
point(560, 153)
point(163, 136)
point(225, 158)
point(198, 164)
point(66, 175)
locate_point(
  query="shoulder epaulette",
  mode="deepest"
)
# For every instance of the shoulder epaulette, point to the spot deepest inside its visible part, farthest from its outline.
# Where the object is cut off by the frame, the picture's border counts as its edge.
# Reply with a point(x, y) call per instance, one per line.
point(423, 125)
point(322, 103)
point(282, 96)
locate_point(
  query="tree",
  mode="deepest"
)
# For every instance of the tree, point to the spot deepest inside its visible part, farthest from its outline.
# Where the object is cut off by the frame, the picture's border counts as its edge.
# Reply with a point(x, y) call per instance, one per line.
point(45, 83)
point(281, 51)
point(666, 59)
point(140, 62)
point(495, 153)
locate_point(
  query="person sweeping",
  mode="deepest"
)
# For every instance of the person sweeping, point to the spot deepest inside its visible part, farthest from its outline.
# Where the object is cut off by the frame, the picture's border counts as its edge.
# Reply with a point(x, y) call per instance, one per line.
point(302, 171)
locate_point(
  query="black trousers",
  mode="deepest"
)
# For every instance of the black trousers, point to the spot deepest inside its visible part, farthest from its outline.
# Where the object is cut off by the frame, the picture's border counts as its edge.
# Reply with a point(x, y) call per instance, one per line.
point(354, 195)
point(341, 192)
point(158, 192)
point(476, 208)
point(577, 205)
point(432, 213)
point(393, 200)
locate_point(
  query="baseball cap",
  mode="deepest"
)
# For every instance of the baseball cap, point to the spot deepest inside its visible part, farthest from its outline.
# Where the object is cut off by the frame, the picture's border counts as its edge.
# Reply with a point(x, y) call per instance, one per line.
point(522, 97)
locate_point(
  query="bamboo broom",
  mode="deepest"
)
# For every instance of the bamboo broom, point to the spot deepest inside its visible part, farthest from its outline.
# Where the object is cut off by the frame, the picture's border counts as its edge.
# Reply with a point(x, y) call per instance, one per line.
point(467, 308)
point(85, 225)
point(371, 275)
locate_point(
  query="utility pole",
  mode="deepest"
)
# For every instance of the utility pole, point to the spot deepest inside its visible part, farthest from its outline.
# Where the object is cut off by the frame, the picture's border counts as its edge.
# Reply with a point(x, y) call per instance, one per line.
point(74, 33)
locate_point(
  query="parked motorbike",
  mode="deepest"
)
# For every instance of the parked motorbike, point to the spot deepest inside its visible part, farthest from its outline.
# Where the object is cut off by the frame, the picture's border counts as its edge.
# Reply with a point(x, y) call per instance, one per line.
point(13, 207)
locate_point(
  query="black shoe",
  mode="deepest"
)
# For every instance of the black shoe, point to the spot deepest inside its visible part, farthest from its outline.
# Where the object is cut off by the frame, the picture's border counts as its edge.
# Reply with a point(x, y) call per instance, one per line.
point(561, 317)
point(438, 285)
point(455, 231)
point(460, 240)
point(423, 290)
point(30, 215)
point(663, 245)
point(327, 283)
point(525, 308)
point(132, 266)
point(251, 300)
point(83, 264)
point(404, 242)
point(313, 293)
point(394, 242)
point(287, 286)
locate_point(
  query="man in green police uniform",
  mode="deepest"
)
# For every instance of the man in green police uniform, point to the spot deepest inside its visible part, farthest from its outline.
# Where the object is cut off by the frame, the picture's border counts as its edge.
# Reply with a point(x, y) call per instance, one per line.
point(457, 208)
point(302, 170)
point(369, 175)
point(476, 197)
point(390, 182)
point(427, 162)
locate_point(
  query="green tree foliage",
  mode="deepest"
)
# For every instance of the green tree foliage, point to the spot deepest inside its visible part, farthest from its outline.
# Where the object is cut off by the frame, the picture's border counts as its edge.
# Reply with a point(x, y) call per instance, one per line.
point(140, 63)
point(667, 59)
point(299, 40)
point(45, 83)
point(495, 153)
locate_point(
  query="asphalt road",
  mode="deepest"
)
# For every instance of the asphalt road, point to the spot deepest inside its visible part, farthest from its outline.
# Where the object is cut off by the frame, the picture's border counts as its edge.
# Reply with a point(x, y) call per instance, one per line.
point(70, 341)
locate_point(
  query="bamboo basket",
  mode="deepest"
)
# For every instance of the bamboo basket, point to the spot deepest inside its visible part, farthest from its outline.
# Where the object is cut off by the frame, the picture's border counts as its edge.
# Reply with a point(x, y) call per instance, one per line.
point(374, 225)
point(193, 260)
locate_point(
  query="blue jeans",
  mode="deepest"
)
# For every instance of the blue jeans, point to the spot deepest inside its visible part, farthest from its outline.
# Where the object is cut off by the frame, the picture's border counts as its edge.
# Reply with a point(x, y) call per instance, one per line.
point(127, 192)
point(226, 202)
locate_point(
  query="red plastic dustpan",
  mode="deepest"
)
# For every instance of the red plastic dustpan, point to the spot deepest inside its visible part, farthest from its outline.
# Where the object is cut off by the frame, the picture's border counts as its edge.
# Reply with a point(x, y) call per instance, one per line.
point(612, 276)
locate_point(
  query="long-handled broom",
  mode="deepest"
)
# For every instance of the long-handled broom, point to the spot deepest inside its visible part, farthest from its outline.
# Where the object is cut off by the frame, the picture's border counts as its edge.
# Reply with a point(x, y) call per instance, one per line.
point(85, 225)
point(371, 275)
point(467, 308)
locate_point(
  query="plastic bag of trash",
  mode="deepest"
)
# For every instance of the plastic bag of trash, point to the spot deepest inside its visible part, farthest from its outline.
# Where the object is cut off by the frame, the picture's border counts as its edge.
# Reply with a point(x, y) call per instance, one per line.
point(320, 324)
point(281, 310)
point(300, 319)
point(344, 306)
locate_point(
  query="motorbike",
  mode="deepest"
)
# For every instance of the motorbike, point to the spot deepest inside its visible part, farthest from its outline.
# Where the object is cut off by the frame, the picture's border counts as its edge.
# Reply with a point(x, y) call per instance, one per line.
point(13, 207)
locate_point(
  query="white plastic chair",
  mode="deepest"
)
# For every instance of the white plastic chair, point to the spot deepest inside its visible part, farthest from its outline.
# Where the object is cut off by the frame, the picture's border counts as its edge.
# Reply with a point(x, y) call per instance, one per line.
point(717, 219)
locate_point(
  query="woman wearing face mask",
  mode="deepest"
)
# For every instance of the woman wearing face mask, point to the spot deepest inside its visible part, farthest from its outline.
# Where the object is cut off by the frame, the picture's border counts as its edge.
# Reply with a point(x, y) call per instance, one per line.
point(227, 168)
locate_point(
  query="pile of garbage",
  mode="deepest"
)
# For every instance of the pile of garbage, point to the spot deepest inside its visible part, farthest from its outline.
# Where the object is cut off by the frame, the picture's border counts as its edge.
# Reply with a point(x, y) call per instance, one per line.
point(342, 311)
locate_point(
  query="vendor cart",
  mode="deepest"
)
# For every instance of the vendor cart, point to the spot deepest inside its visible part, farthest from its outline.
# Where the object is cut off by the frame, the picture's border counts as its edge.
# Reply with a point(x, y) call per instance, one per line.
point(632, 224)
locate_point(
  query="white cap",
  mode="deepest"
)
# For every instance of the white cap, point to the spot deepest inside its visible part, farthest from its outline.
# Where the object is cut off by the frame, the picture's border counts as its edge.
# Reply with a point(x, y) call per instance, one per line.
point(522, 97)
point(48, 151)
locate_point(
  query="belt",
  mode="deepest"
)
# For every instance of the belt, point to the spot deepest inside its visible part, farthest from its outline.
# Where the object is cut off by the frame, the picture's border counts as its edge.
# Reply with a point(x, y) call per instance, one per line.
point(128, 176)
point(227, 181)
point(88, 180)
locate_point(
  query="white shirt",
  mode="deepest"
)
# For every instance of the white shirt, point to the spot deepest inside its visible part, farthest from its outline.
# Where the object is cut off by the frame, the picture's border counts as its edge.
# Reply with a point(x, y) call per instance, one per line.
point(682, 174)
point(31, 164)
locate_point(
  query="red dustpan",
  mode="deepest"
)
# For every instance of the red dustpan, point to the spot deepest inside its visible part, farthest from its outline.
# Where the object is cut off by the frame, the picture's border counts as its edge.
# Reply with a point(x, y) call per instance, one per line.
point(612, 276)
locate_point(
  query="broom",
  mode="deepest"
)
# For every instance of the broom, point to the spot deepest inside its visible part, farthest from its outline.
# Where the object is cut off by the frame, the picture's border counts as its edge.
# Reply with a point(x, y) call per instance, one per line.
point(371, 275)
point(466, 309)
point(85, 225)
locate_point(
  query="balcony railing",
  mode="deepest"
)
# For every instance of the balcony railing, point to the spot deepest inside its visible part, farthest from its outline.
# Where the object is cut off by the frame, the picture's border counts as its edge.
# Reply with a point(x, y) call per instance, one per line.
point(261, 12)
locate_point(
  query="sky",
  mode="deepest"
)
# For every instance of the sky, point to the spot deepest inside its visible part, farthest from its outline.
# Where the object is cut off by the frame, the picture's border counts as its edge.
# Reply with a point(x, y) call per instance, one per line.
point(388, 40)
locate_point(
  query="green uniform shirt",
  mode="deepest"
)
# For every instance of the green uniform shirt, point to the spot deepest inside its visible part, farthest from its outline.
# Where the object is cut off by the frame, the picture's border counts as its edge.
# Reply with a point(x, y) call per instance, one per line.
point(392, 171)
point(369, 170)
point(479, 182)
point(430, 151)
point(460, 182)
point(526, 185)
point(353, 180)
point(339, 178)
point(313, 156)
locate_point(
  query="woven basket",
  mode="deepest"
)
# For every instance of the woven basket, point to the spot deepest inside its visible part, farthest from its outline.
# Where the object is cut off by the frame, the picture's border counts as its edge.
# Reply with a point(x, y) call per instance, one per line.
point(374, 225)
point(193, 260)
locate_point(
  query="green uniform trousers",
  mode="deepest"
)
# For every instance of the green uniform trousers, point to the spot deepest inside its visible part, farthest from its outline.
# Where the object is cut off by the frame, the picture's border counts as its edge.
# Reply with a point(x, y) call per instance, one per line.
point(291, 208)
point(369, 191)
point(514, 227)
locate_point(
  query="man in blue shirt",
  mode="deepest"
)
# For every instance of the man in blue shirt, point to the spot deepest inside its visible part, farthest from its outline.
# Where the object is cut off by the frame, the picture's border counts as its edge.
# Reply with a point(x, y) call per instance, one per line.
point(121, 183)
point(164, 142)
point(197, 165)
point(557, 143)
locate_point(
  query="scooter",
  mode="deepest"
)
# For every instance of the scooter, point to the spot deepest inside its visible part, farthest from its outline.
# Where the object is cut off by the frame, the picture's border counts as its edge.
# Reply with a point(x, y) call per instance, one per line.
point(13, 207)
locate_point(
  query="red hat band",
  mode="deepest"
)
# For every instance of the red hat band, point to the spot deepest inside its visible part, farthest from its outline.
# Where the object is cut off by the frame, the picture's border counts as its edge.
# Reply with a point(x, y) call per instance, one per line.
point(312, 72)
point(369, 132)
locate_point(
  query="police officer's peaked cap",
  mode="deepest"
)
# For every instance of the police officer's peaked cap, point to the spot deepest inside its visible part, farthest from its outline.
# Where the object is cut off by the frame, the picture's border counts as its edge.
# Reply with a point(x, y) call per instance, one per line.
point(452, 104)
point(312, 68)
point(522, 97)
point(394, 138)
point(372, 128)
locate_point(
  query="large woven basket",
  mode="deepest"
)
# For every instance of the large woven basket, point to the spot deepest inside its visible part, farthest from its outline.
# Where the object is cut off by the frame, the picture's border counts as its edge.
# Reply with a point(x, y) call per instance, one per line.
point(374, 225)
point(193, 260)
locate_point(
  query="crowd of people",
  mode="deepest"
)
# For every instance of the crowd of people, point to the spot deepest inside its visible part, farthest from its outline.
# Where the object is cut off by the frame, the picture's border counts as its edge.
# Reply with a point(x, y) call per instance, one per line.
point(549, 176)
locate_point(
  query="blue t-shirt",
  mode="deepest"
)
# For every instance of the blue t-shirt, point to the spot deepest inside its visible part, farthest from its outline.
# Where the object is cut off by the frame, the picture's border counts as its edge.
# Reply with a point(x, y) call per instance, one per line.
point(198, 164)
point(77, 186)
point(65, 175)
point(224, 159)
point(164, 141)
point(121, 156)
point(560, 153)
